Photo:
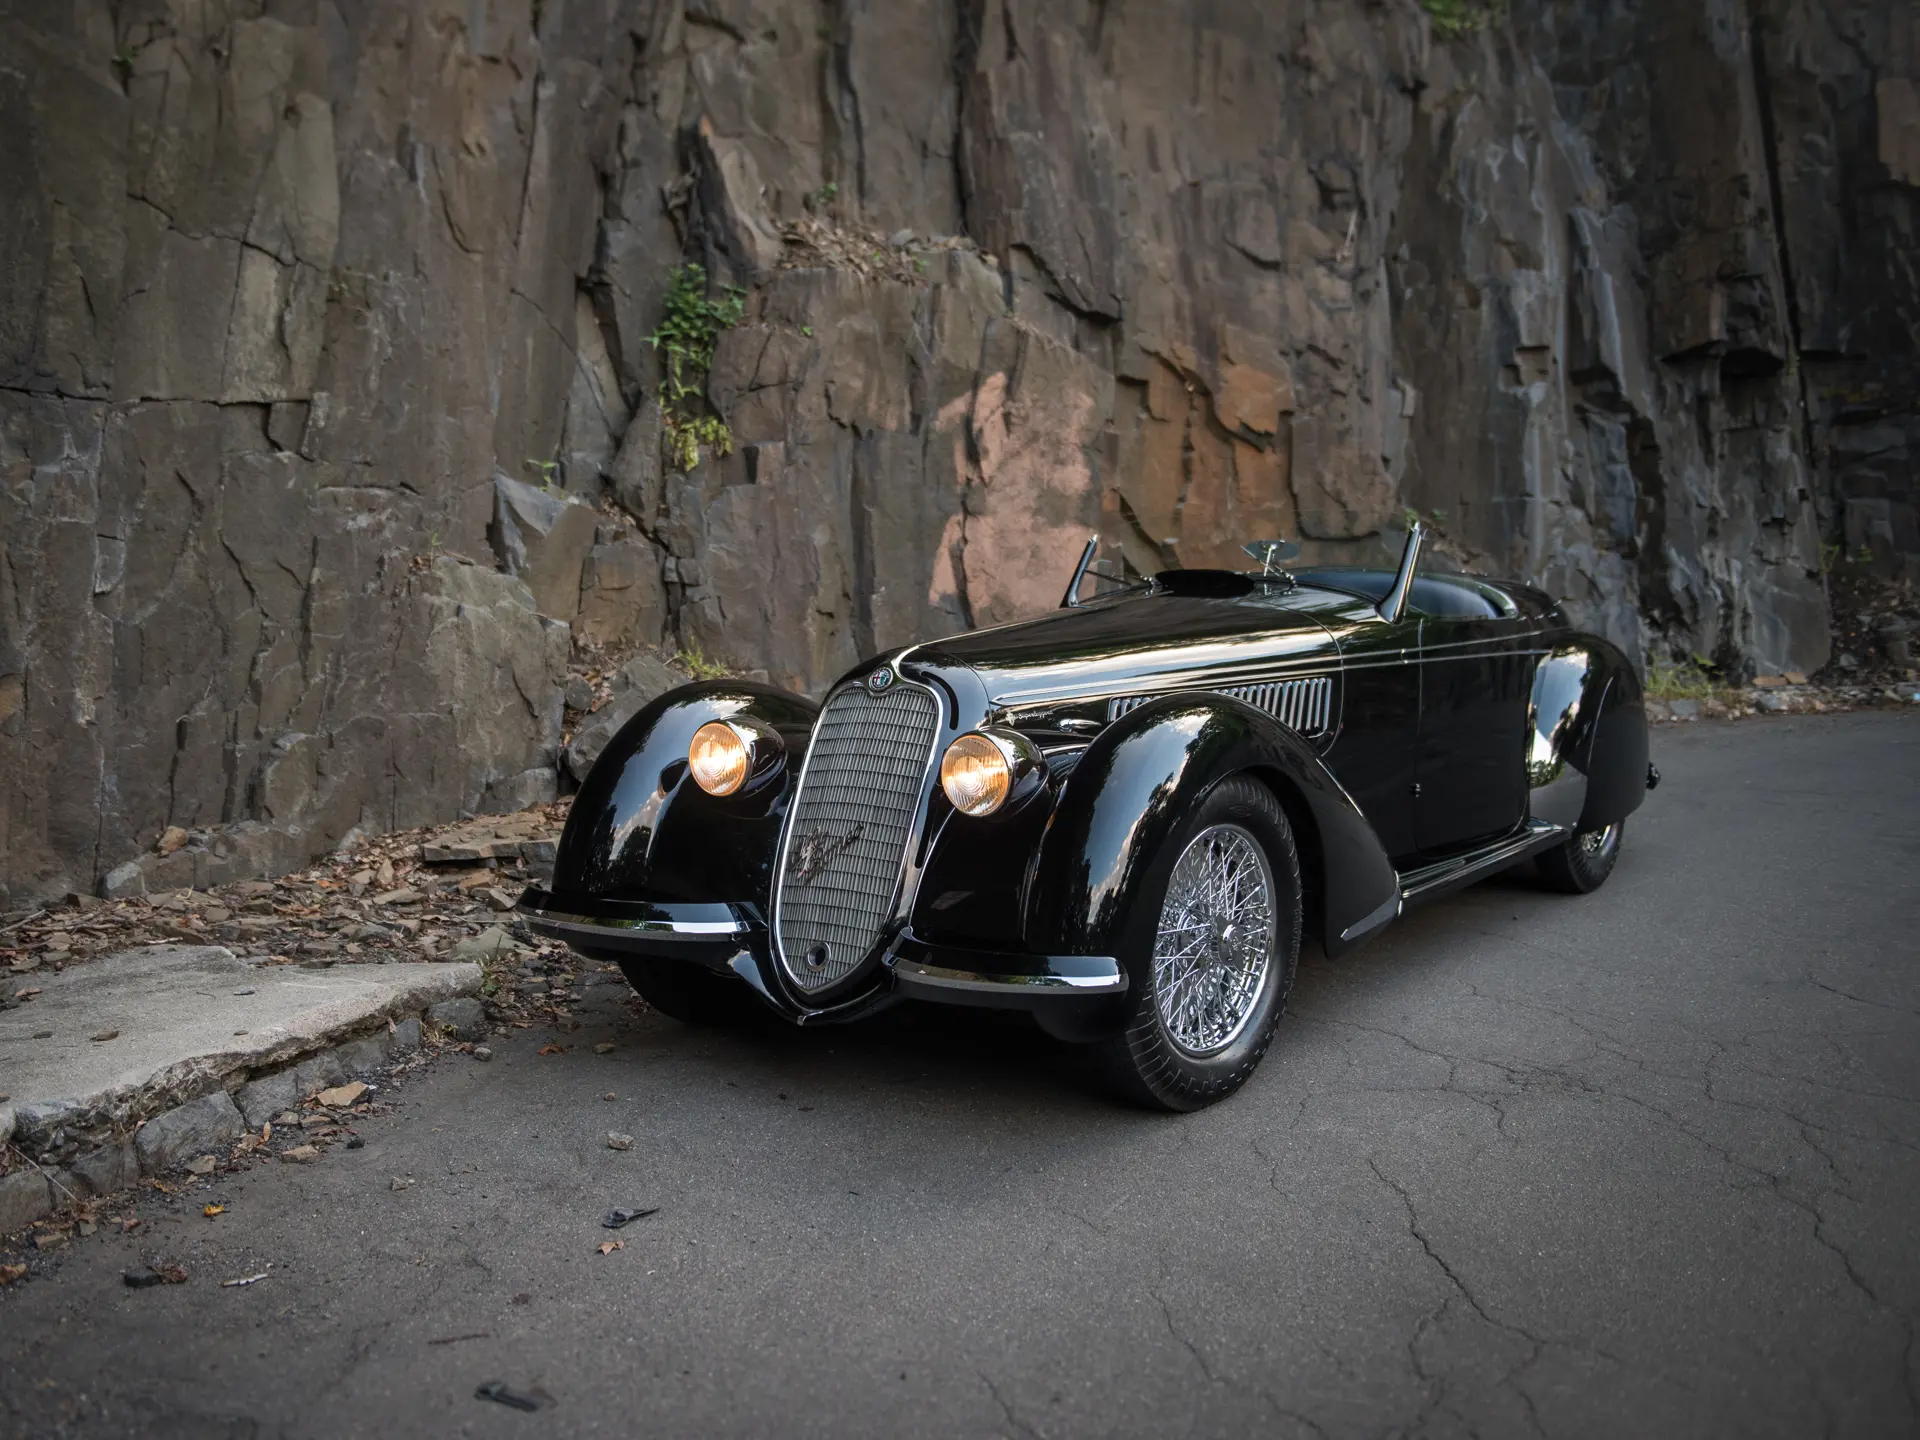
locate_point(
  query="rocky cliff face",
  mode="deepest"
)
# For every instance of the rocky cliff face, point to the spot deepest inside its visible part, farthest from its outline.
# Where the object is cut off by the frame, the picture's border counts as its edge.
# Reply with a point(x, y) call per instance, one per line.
point(329, 419)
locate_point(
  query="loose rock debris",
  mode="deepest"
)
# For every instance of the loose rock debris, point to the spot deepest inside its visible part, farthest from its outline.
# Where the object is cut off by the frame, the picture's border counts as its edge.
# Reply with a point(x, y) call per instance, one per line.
point(501, 1393)
point(147, 1276)
point(615, 1219)
point(617, 1141)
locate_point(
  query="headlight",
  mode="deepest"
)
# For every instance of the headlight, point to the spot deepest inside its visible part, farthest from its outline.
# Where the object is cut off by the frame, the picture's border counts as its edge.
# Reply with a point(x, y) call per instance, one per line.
point(982, 769)
point(720, 757)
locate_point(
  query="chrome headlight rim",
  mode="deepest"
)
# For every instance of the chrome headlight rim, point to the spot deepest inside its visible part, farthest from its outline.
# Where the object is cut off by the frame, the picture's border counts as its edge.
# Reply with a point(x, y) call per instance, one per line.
point(1025, 769)
point(763, 752)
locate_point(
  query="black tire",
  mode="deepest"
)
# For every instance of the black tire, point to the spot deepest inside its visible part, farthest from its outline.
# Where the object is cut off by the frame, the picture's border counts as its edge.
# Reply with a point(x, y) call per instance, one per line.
point(1145, 1061)
point(683, 991)
point(1581, 865)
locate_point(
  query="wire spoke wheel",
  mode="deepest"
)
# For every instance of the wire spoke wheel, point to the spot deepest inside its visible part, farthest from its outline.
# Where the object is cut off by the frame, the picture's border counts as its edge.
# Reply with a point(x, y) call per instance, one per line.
point(1596, 843)
point(1213, 951)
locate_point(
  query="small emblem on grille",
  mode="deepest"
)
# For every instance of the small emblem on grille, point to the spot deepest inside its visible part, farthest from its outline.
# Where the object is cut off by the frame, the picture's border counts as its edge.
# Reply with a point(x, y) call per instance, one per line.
point(816, 851)
point(879, 679)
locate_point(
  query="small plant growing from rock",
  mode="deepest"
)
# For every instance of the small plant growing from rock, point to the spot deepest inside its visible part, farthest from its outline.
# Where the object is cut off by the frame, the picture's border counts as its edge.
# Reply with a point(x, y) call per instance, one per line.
point(1453, 19)
point(701, 666)
point(686, 335)
point(547, 470)
point(1681, 680)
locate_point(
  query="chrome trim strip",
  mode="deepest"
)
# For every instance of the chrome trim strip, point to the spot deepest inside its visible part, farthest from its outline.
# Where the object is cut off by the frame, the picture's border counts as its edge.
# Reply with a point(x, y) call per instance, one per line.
point(683, 929)
point(908, 885)
point(1537, 835)
point(1387, 910)
point(1175, 680)
point(916, 974)
point(1418, 659)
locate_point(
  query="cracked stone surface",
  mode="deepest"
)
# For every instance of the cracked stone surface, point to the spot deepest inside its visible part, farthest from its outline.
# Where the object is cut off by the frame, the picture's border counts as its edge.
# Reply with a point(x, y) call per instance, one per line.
point(308, 306)
point(1635, 1163)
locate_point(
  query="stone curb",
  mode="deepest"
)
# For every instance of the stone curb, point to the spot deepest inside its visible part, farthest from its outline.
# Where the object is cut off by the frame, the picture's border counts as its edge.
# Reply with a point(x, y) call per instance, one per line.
point(91, 1145)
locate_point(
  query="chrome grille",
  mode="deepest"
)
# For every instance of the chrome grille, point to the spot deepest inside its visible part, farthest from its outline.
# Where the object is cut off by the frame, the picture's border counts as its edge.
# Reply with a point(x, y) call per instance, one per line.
point(1303, 705)
point(846, 846)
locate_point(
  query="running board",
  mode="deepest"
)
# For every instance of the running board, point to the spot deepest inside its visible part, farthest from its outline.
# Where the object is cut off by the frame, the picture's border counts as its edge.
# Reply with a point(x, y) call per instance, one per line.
point(1437, 879)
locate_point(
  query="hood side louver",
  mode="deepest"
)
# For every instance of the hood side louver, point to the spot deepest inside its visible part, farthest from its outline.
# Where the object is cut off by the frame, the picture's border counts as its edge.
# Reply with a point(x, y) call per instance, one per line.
point(1302, 705)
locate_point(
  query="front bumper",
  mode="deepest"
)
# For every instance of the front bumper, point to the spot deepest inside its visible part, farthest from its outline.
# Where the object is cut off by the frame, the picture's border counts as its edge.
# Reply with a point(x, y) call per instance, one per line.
point(734, 940)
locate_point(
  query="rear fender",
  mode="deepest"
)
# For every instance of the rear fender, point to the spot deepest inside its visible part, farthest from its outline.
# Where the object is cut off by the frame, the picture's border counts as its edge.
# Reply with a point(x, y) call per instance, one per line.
point(1107, 842)
point(1586, 737)
point(641, 827)
point(1617, 764)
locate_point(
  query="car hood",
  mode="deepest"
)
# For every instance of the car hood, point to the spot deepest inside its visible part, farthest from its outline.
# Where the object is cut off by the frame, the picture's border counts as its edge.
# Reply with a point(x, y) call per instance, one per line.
point(1145, 641)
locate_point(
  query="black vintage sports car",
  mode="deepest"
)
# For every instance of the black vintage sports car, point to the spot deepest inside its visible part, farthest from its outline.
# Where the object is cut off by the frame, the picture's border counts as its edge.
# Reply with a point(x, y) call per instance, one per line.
point(1121, 817)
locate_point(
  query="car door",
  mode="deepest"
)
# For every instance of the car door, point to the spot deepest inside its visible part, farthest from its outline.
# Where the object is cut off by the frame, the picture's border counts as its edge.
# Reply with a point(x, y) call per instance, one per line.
point(1475, 665)
point(1375, 754)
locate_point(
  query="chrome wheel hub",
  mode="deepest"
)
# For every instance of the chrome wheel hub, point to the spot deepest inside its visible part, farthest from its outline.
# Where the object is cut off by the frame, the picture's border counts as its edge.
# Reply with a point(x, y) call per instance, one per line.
point(1598, 842)
point(1213, 952)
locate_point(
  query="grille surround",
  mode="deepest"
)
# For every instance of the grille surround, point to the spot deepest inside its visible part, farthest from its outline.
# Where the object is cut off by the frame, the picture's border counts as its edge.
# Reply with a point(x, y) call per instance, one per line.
point(863, 791)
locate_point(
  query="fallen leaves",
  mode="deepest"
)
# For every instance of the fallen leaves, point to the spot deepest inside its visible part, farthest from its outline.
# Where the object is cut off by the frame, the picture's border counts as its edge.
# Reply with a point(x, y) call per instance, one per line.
point(201, 1165)
point(553, 1049)
point(401, 1182)
point(11, 1273)
point(341, 1096)
point(387, 894)
point(212, 1210)
point(300, 1154)
point(607, 1247)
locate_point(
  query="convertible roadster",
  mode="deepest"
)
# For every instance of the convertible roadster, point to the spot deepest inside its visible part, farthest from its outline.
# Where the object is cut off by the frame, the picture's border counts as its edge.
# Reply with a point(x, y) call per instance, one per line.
point(1121, 817)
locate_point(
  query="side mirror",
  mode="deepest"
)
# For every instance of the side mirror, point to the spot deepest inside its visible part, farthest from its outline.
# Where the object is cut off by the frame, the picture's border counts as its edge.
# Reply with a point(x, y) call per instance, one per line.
point(1394, 604)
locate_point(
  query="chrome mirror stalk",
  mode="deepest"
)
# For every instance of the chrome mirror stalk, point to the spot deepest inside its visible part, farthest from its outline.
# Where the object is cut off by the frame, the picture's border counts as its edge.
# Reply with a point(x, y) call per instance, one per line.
point(1394, 604)
point(1071, 600)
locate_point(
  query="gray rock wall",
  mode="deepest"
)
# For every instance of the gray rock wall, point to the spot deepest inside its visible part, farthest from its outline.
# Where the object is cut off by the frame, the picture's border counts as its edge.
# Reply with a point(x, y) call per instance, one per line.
point(328, 417)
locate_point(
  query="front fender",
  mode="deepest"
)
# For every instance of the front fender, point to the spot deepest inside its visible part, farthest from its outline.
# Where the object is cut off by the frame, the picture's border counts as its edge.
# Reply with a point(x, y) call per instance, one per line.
point(639, 828)
point(1107, 842)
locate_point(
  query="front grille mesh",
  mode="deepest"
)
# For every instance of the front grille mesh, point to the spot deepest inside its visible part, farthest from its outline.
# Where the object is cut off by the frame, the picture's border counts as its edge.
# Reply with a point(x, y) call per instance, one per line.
point(1303, 705)
point(847, 842)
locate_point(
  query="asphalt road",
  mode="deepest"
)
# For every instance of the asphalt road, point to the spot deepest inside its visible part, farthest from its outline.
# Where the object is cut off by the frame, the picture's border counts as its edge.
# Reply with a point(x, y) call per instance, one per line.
point(1641, 1163)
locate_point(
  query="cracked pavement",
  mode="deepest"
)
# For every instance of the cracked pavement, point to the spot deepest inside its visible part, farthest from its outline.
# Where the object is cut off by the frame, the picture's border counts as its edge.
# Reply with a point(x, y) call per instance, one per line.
point(1643, 1162)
